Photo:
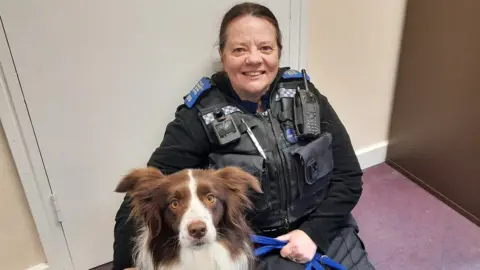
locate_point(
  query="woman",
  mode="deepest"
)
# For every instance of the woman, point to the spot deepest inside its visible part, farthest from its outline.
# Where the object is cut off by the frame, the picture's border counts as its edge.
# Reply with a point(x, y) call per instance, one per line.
point(308, 203)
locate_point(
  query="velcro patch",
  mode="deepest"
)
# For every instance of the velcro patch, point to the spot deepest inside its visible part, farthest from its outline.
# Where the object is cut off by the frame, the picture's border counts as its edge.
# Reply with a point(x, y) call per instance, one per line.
point(285, 93)
point(200, 87)
point(293, 74)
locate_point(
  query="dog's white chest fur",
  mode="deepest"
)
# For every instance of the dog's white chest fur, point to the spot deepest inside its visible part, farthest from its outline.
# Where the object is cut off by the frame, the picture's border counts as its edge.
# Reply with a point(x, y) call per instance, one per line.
point(214, 256)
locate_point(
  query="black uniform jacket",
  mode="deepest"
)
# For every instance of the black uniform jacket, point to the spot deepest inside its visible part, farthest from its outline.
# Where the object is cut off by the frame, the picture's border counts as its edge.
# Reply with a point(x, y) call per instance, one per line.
point(185, 145)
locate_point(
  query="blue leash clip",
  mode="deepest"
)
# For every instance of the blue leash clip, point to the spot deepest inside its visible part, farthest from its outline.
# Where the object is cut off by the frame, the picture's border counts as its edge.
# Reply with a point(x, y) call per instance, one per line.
point(269, 244)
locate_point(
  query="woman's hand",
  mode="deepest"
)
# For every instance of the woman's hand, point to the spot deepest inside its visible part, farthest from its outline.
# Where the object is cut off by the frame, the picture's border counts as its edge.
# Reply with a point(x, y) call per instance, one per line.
point(300, 248)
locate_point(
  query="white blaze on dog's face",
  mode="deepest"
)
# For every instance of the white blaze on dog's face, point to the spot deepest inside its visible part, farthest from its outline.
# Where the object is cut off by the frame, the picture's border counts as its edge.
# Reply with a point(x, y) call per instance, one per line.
point(197, 225)
point(214, 197)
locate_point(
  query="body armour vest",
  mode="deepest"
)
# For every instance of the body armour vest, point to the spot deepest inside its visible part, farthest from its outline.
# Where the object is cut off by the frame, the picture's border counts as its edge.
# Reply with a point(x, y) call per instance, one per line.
point(294, 173)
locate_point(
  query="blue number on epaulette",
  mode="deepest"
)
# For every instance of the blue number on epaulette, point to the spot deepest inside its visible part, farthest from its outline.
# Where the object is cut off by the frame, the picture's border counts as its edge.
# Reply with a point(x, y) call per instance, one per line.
point(200, 87)
point(293, 74)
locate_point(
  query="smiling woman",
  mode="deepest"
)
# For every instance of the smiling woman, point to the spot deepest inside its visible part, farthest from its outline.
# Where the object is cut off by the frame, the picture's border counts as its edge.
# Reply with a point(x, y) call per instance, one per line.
point(274, 124)
point(250, 48)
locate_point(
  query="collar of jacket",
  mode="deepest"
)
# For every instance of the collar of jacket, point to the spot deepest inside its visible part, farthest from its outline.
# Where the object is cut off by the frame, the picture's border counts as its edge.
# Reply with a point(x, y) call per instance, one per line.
point(223, 83)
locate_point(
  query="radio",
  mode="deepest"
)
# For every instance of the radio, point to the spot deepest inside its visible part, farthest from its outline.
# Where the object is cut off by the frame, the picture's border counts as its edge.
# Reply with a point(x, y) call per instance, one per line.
point(306, 112)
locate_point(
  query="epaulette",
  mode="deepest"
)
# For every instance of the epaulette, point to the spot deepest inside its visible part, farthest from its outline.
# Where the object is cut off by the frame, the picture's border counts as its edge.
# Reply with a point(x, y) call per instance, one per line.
point(293, 74)
point(198, 89)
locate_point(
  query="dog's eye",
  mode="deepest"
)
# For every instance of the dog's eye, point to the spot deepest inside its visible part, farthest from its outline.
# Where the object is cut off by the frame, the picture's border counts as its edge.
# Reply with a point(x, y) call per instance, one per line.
point(174, 204)
point(211, 198)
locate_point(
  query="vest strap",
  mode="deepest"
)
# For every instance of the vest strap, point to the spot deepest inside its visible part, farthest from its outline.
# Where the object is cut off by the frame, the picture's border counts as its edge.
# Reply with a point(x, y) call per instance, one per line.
point(270, 244)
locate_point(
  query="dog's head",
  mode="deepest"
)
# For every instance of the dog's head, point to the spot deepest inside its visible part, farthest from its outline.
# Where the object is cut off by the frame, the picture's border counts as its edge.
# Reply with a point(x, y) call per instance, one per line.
point(191, 204)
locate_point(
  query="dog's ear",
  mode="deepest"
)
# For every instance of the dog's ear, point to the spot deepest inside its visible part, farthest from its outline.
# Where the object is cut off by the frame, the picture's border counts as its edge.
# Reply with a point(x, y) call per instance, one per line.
point(237, 179)
point(236, 183)
point(138, 178)
point(144, 187)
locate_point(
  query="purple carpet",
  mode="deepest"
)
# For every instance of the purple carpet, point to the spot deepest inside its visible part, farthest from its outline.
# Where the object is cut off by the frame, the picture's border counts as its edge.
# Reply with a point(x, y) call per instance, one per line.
point(404, 227)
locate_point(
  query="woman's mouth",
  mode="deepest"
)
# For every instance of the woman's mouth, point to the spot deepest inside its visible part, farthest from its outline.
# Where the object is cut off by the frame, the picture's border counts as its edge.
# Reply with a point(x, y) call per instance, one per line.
point(253, 73)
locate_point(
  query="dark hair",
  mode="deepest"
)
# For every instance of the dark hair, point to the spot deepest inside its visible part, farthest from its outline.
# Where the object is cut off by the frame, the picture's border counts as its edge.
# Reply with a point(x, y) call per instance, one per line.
point(252, 9)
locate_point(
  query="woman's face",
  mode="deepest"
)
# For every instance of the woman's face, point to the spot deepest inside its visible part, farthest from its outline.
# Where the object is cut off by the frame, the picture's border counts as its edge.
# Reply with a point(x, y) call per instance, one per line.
point(250, 56)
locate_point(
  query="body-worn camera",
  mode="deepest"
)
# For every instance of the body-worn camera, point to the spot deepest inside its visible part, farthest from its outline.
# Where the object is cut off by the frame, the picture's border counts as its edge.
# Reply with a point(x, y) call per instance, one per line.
point(224, 127)
point(306, 112)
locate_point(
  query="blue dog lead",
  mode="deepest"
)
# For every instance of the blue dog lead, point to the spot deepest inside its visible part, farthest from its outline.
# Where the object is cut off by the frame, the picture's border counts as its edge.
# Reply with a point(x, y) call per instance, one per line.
point(270, 244)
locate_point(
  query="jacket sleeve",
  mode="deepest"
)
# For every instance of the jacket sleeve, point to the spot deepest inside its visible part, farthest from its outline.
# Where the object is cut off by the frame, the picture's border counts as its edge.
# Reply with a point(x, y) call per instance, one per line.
point(345, 187)
point(185, 145)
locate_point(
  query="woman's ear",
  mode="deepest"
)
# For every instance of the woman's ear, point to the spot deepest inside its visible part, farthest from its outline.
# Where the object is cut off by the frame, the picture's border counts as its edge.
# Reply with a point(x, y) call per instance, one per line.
point(220, 54)
point(217, 61)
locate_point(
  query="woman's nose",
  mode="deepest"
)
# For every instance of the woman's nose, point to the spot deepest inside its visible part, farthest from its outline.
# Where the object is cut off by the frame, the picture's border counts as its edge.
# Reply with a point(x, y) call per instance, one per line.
point(254, 57)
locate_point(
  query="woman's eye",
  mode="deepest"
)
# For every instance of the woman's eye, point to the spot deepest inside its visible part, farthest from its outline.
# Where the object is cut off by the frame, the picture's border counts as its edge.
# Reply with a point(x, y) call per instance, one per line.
point(237, 50)
point(266, 48)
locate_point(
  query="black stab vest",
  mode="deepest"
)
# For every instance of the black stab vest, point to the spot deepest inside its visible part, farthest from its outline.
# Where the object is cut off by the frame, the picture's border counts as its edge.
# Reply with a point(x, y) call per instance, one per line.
point(295, 174)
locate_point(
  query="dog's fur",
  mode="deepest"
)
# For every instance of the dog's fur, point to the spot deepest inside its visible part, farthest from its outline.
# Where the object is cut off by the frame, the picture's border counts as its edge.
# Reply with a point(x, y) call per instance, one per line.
point(193, 219)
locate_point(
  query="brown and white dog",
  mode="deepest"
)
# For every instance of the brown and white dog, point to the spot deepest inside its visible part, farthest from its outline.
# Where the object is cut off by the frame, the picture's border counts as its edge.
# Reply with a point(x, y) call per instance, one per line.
point(193, 219)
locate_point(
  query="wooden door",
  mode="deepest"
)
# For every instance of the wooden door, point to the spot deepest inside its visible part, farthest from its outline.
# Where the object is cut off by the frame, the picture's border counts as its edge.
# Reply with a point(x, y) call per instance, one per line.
point(435, 125)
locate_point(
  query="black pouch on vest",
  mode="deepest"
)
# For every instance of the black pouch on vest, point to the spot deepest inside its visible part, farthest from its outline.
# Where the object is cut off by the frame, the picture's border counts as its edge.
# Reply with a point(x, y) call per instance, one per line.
point(254, 165)
point(314, 163)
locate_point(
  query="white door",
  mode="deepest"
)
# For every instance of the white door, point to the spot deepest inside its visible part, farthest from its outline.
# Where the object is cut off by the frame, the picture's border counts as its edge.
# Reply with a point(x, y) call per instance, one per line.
point(101, 79)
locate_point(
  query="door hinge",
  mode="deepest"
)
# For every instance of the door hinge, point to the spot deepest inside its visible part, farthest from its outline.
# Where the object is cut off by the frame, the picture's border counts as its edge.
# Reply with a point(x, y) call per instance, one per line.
point(56, 207)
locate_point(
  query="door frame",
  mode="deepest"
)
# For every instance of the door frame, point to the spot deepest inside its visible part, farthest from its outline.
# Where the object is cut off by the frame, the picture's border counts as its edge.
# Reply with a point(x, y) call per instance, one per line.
point(15, 119)
point(20, 133)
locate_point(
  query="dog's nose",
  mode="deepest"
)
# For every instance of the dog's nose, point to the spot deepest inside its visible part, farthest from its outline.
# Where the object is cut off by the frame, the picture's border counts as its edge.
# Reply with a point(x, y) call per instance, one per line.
point(197, 229)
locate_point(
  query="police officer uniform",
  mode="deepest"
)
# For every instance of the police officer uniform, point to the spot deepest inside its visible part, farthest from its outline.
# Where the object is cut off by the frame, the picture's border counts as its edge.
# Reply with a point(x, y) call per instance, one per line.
point(297, 148)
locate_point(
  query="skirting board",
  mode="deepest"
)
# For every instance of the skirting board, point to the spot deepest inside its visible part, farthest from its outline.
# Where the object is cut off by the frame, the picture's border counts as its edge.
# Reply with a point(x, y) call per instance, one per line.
point(41, 266)
point(372, 155)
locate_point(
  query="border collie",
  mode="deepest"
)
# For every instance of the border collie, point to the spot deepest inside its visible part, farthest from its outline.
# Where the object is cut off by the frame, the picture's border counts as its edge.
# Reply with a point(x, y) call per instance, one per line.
point(193, 219)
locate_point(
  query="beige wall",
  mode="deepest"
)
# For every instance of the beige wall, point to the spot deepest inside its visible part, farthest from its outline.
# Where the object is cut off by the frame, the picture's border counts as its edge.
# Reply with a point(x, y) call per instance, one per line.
point(20, 246)
point(352, 56)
